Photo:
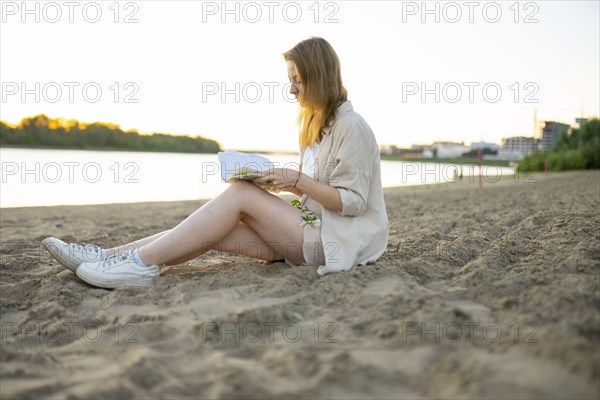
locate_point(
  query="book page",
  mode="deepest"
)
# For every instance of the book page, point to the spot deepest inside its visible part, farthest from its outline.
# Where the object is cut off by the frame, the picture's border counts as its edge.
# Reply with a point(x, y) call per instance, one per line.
point(236, 165)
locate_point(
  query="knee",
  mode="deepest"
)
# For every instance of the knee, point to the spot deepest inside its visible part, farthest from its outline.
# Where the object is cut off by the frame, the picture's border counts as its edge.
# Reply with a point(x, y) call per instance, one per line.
point(242, 188)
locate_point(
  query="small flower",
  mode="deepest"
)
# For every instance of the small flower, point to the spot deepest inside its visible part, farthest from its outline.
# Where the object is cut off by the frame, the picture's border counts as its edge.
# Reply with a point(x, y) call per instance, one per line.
point(309, 219)
point(310, 224)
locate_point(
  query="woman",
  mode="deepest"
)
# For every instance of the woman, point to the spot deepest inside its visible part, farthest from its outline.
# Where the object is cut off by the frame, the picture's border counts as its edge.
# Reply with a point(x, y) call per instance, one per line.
point(340, 221)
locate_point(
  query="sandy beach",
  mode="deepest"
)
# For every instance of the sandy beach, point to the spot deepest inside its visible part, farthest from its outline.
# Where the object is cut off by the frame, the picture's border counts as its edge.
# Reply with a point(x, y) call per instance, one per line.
point(483, 293)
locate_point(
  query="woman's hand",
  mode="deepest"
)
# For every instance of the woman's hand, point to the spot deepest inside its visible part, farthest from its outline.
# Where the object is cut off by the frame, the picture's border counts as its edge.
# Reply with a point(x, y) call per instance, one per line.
point(282, 179)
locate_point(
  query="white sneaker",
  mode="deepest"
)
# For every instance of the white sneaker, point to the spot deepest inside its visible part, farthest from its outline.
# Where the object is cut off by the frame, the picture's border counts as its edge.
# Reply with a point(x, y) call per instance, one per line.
point(117, 271)
point(72, 254)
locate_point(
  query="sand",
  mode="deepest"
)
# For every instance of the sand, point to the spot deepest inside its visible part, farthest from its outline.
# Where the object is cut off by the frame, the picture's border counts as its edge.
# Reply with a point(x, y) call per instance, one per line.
point(483, 293)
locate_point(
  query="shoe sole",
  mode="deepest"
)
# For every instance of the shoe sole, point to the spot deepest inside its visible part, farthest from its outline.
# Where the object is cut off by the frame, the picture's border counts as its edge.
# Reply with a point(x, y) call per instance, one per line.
point(112, 284)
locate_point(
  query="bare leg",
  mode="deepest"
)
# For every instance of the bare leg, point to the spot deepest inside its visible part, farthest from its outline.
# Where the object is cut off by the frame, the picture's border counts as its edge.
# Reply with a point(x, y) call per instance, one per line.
point(231, 244)
point(270, 229)
point(135, 244)
point(242, 240)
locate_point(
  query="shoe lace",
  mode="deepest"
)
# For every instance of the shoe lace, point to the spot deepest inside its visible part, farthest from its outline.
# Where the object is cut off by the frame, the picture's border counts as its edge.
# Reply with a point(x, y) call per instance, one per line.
point(86, 247)
point(109, 261)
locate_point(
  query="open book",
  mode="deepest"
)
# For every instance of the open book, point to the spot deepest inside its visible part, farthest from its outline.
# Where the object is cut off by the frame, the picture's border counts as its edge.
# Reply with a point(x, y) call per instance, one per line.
point(236, 165)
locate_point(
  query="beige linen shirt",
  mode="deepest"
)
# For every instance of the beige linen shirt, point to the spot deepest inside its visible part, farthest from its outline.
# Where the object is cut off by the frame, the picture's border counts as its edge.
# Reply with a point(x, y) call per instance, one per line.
point(348, 159)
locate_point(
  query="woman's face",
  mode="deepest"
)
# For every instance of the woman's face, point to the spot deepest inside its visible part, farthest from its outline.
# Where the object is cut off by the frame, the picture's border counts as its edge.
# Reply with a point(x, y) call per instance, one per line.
point(294, 79)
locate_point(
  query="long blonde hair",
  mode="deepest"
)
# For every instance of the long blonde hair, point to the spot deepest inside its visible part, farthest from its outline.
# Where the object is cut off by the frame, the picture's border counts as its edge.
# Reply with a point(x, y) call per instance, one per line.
point(322, 89)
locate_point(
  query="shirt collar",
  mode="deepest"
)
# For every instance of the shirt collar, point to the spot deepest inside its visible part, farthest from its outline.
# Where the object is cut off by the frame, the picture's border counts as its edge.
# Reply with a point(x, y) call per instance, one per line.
point(343, 108)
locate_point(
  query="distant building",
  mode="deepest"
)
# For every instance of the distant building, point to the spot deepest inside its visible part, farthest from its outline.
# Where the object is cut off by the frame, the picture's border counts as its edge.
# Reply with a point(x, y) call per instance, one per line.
point(449, 149)
point(485, 145)
point(551, 134)
point(422, 150)
point(419, 147)
point(581, 122)
point(519, 144)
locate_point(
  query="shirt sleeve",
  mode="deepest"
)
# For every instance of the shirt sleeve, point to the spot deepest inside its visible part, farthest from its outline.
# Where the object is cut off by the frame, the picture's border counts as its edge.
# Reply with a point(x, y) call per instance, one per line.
point(352, 172)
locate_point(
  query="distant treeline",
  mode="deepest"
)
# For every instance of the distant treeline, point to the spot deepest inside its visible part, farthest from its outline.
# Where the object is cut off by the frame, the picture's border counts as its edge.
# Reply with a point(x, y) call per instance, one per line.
point(578, 150)
point(45, 132)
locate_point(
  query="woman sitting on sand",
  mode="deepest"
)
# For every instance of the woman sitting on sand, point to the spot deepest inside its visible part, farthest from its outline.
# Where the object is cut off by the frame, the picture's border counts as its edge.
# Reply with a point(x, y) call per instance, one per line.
point(340, 221)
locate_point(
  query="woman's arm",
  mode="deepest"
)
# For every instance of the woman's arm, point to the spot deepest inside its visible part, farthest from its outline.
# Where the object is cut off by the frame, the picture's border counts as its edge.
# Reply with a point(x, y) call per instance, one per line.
point(285, 179)
point(327, 196)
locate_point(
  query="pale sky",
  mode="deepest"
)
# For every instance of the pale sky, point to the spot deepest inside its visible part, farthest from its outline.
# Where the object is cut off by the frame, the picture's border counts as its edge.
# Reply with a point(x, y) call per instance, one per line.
point(179, 53)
